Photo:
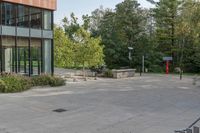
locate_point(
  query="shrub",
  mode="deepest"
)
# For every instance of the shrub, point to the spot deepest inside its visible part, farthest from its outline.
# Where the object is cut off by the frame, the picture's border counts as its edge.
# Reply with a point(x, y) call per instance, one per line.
point(56, 81)
point(108, 74)
point(16, 83)
point(12, 83)
point(41, 80)
point(2, 86)
point(45, 80)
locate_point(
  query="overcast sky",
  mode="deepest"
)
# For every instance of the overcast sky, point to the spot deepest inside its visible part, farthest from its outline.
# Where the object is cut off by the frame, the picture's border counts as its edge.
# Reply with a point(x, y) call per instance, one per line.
point(80, 7)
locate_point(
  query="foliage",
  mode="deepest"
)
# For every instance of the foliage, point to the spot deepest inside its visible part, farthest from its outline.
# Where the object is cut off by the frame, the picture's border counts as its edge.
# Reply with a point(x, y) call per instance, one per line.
point(188, 35)
point(74, 46)
point(171, 28)
point(56, 81)
point(64, 49)
point(70, 26)
point(165, 14)
point(119, 30)
point(15, 83)
point(88, 50)
point(12, 83)
point(108, 73)
point(3, 86)
point(47, 80)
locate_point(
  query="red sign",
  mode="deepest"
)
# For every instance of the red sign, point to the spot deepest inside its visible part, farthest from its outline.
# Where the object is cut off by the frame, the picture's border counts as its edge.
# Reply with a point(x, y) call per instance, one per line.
point(167, 67)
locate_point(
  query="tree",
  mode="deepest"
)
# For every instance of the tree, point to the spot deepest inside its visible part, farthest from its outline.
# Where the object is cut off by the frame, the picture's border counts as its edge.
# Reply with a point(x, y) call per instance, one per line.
point(119, 30)
point(88, 52)
point(75, 47)
point(71, 26)
point(64, 49)
point(166, 14)
point(188, 33)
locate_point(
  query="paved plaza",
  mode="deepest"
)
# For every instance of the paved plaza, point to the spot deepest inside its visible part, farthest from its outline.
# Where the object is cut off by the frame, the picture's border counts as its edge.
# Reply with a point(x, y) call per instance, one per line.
point(147, 104)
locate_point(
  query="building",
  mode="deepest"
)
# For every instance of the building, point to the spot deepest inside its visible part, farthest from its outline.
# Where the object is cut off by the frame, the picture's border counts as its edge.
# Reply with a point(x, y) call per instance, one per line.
point(26, 36)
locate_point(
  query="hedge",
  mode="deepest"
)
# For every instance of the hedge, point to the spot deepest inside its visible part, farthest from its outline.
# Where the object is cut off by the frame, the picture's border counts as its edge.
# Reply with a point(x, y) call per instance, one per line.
point(12, 83)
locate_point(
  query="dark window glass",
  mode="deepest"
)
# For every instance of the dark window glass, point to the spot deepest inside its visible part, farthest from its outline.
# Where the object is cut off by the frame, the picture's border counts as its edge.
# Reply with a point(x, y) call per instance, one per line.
point(23, 16)
point(22, 56)
point(8, 14)
point(47, 20)
point(35, 18)
point(35, 56)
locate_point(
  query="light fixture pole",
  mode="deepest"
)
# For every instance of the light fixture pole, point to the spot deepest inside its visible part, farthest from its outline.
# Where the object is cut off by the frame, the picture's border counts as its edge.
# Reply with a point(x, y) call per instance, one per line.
point(130, 55)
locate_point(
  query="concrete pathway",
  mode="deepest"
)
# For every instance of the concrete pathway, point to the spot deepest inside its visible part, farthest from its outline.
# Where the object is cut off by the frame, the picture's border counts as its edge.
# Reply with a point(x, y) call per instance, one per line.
point(148, 104)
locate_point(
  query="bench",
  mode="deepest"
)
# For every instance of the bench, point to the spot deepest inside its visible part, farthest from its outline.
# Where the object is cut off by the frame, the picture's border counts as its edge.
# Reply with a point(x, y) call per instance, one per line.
point(123, 73)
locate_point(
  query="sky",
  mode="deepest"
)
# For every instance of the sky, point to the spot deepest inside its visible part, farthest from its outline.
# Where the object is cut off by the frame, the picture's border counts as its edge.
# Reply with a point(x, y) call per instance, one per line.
point(81, 7)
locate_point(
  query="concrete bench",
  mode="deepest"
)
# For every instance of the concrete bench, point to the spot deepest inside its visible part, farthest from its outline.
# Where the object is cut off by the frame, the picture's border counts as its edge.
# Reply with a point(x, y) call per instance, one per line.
point(123, 73)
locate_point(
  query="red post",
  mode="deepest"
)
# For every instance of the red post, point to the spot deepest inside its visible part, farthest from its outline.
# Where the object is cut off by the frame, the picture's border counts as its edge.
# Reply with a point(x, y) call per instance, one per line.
point(167, 67)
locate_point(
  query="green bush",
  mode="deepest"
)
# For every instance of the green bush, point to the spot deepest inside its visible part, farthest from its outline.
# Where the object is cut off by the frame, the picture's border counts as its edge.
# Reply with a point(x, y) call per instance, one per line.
point(156, 69)
point(47, 80)
point(12, 83)
point(108, 74)
point(15, 83)
point(42, 80)
point(2, 86)
point(55, 81)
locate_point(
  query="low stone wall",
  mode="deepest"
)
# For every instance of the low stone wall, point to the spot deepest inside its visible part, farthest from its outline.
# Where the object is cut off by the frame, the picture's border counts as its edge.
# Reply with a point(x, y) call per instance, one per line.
point(123, 73)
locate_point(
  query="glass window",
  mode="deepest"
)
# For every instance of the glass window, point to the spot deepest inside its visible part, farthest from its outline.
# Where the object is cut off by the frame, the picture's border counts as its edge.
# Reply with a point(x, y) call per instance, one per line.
point(8, 54)
point(35, 56)
point(23, 16)
point(47, 56)
point(47, 20)
point(35, 18)
point(8, 14)
point(22, 55)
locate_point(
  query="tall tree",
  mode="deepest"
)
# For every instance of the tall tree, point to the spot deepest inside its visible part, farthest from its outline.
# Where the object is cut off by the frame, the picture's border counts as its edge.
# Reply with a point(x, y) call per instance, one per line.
point(165, 14)
point(64, 49)
point(71, 25)
point(119, 30)
point(88, 52)
point(188, 32)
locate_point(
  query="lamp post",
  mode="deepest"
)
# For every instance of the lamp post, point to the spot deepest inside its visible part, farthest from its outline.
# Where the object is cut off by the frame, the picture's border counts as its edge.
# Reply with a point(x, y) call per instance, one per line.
point(130, 54)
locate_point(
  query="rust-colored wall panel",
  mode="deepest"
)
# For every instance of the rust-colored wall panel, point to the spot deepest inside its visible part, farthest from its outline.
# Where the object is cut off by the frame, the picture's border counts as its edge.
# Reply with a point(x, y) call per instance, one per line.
point(47, 4)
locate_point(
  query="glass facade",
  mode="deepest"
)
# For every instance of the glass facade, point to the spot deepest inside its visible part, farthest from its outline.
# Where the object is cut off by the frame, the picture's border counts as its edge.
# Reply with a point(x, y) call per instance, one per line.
point(22, 56)
point(8, 54)
point(26, 39)
point(8, 14)
point(22, 16)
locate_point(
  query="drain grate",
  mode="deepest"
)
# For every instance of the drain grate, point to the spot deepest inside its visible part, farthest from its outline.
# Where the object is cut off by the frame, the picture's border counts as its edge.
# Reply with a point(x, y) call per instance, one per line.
point(60, 110)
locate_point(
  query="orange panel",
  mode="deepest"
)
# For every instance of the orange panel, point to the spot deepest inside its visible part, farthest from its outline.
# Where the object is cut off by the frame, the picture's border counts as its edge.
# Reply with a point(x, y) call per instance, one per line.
point(47, 4)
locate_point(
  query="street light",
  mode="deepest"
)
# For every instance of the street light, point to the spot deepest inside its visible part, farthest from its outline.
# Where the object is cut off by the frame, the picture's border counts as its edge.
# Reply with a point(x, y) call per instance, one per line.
point(130, 54)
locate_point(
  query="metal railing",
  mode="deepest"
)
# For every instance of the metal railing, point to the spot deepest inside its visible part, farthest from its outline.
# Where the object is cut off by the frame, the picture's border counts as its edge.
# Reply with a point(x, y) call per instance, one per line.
point(191, 129)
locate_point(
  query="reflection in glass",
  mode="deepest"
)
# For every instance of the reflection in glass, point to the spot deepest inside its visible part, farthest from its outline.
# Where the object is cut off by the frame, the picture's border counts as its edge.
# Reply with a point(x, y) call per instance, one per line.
point(23, 16)
point(8, 14)
point(8, 54)
point(35, 56)
point(35, 18)
point(22, 56)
